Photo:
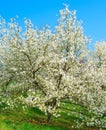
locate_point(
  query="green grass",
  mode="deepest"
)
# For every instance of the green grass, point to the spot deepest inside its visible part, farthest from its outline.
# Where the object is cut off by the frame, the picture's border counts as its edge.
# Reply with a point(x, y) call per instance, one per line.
point(34, 119)
point(7, 125)
point(18, 121)
point(30, 119)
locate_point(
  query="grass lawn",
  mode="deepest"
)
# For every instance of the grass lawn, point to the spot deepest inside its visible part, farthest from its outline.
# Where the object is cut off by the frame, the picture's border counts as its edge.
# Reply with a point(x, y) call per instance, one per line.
point(34, 119)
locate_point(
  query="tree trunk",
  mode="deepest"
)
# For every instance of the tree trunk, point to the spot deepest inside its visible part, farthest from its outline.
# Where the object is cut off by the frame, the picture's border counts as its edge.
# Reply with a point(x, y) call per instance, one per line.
point(52, 104)
point(49, 117)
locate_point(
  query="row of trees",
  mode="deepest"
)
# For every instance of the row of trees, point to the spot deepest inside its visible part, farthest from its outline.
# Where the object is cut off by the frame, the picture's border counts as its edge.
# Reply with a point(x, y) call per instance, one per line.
point(46, 67)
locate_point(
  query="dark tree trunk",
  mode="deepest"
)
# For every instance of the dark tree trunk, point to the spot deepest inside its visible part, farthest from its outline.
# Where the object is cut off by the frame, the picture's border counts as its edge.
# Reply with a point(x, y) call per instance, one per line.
point(52, 104)
point(49, 117)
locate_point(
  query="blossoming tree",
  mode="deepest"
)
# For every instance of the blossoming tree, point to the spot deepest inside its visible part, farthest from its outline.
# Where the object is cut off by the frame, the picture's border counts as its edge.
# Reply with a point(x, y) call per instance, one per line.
point(47, 67)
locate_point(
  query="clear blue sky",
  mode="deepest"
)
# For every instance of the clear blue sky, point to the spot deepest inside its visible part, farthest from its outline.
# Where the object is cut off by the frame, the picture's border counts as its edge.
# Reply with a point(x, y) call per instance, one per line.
point(42, 12)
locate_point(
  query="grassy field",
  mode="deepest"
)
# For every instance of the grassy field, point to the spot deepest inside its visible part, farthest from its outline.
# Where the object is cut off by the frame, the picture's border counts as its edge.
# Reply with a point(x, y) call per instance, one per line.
point(34, 119)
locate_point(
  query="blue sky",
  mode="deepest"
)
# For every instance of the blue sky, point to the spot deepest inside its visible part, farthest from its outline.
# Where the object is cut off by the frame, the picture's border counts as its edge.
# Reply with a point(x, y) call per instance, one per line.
point(42, 12)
